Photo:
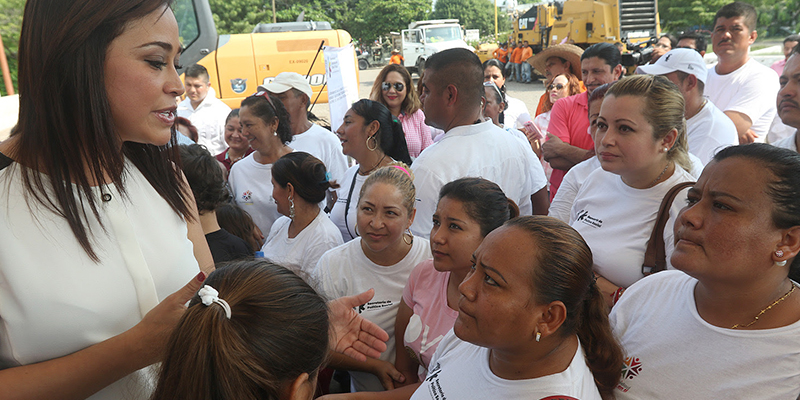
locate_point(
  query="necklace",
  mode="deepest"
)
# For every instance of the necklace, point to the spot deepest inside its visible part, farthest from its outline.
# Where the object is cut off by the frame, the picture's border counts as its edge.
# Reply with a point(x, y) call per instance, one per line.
point(774, 303)
point(659, 176)
point(374, 166)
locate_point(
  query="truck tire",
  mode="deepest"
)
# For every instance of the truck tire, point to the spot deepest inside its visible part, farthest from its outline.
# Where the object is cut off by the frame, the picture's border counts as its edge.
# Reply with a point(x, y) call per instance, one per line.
point(420, 66)
point(363, 64)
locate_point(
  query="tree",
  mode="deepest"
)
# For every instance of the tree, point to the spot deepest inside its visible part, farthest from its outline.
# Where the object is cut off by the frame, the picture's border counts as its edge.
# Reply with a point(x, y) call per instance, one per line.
point(10, 28)
point(376, 18)
point(472, 14)
point(681, 15)
point(241, 16)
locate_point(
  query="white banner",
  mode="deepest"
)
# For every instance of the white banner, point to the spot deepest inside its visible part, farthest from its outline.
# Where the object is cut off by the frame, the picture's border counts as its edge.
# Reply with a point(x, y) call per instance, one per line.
point(340, 71)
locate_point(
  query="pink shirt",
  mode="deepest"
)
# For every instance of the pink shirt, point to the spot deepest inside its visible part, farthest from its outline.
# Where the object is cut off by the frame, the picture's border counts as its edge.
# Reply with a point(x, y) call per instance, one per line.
point(778, 66)
point(569, 121)
point(426, 295)
point(418, 135)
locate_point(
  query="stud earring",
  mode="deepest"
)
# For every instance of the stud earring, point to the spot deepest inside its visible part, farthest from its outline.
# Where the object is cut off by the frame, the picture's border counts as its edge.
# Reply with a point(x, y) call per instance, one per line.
point(779, 254)
point(666, 149)
point(538, 336)
point(291, 208)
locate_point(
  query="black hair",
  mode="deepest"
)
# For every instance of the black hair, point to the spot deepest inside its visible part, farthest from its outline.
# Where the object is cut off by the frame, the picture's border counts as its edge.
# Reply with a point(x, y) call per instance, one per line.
point(204, 174)
point(792, 38)
point(197, 71)
point(232, 114)
point(483, 201)
point(738, 9)
point(783, 184)
point(461, 68)
point(268, 110)
point(700, 43)
point(672, 40)
point(493, 62)
point(390, 136)
point(239, 223)
point(605, 51)
point(306, 173)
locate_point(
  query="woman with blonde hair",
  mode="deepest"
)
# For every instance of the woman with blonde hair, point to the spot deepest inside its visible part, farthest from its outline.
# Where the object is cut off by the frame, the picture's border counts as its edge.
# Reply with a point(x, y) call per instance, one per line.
point(641, 145)
point(382, 257)
point(394, 89)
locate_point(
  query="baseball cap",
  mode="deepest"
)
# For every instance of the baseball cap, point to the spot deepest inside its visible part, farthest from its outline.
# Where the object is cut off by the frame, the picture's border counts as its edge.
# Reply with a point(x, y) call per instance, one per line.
point(684, 60)
point(288, 80)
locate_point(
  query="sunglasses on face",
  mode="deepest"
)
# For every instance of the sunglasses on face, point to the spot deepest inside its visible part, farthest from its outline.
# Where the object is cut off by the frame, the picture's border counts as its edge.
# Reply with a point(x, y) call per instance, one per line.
point(556, 86)
point(385, 86)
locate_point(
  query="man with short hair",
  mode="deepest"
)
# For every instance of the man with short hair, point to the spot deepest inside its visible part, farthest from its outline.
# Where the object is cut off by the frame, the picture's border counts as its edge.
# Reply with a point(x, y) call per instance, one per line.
point(708, 129)
point(693, 40)
point(788, 44)
point(527, 53)
point(206, 112)
point(739, 85)
point(452, 93)
point(295, 93)
point(568, 143)
point(788, 100)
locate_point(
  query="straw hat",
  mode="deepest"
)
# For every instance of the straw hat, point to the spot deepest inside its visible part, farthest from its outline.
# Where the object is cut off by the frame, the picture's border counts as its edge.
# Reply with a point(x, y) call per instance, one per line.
point(569, 52)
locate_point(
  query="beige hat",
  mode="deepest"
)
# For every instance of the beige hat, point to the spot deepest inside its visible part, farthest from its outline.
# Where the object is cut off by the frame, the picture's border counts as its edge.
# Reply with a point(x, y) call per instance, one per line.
point(569, 52)
point(289, 80)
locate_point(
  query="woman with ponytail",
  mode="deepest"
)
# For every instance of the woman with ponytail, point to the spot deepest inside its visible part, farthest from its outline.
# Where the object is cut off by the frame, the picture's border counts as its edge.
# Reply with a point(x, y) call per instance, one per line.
point(531, 323)
point(304, 233)
point(372, 137)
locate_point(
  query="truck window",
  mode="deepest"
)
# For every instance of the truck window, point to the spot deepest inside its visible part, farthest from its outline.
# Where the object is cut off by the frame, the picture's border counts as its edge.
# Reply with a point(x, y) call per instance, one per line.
point(187, 21)
point(412, 36)
point(443, 34)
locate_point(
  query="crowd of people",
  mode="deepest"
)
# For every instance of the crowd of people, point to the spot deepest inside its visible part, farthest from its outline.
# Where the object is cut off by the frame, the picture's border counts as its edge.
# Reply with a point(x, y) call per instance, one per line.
point(444, 242)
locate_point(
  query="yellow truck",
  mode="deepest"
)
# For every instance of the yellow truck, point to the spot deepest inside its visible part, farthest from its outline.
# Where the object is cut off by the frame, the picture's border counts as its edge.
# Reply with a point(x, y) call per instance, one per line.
point(237, 64)
point(586, 22)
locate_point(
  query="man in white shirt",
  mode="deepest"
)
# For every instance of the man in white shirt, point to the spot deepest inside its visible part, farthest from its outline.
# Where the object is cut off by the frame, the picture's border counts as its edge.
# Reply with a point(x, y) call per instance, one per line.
point(452, 93)
point(295, 93)
point(789, 99)
point(708, 129)
point(206, 112)
point(739, 85)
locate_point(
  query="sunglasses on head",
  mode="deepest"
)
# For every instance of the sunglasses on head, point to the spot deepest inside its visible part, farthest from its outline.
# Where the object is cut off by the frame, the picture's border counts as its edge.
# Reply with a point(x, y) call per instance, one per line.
point(397, 86)
point(264, 94)
point(557, 86)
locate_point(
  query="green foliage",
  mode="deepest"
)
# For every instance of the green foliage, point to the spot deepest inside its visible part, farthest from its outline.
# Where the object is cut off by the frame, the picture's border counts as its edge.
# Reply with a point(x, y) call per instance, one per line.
point(10, 27)
point(472, 14)
point(375, 18)
point(775, 17)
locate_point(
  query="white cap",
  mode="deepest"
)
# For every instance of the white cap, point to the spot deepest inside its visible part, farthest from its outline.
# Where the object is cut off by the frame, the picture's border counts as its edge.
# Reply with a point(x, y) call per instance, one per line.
point(289, 80)
point(684, 60)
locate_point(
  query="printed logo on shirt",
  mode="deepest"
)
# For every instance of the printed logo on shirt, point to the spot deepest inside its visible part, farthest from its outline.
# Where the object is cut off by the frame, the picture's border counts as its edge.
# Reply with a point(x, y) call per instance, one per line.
point(583, 216)
point(434, 387)
point(375, 305)
point(247, 196)
point(630, 369)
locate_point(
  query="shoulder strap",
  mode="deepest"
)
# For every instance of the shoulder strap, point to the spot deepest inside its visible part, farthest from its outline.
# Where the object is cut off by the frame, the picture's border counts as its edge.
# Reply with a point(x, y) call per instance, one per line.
point(5, 161)
point(655, 257)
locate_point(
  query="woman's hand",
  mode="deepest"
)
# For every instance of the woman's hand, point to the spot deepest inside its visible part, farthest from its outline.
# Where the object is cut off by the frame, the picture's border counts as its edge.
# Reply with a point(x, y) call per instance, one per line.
point(353, 335)
point(386, 373)
point(608, 290)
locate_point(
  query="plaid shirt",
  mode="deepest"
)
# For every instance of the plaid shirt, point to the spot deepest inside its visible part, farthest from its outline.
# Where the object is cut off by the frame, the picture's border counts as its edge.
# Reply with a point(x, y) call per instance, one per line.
point(418, 135)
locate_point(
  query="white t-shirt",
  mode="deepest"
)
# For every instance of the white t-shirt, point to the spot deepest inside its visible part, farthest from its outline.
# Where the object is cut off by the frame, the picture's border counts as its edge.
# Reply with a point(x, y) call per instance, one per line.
point(346, 271)
point(516, 114)
point(209, 119)
point(616, 221)
point(750, 90)
point(460, 370)
point(778, 130)
point(478, 150)
point(561, 206)
point(787, 143)
point(55, 300)
point(672, 353)
point(348, 229)
point(251, 188)
point(323, 144)
point(709, 131)
point(302, 252)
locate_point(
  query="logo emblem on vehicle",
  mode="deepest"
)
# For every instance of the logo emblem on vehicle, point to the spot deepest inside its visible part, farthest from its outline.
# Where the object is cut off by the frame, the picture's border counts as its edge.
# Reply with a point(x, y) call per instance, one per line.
point(239, 85)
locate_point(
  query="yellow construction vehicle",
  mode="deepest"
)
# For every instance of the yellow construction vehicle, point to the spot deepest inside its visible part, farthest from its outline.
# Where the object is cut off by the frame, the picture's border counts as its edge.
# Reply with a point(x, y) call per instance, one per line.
point(586, 22)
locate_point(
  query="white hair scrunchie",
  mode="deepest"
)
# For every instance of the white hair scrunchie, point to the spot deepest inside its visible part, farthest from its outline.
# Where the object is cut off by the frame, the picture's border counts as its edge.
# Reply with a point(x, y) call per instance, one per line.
point(209, 295)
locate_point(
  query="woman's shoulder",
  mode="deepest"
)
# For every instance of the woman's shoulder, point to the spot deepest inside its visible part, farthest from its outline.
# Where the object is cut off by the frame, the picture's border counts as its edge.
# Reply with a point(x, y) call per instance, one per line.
point(326, 231)
point(670, 283)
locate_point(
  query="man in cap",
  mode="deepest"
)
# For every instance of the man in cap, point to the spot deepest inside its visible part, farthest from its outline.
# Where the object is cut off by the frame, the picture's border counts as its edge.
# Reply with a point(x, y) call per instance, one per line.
point(788, 101)
point(452, 93)
point(295, 93)
point(740, 86)
point(708, 129)
point(205, 111)
point(554, 61)
point(568, 143)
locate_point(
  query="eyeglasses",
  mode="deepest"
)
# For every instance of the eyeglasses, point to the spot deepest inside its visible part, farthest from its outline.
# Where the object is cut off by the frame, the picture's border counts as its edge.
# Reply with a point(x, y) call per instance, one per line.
point(557, 86)
point(385, 86)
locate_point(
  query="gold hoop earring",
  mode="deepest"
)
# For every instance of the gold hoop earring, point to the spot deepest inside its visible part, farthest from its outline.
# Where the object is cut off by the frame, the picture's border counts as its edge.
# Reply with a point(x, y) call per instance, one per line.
point(410, 237)
point(376, 143)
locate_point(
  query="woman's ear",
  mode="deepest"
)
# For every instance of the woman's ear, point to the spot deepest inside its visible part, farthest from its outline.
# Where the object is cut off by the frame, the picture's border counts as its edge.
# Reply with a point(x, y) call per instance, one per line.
point(290, 189)
point(552, 318)
point(669, 140)
point(789, 244)
point(373, 128)
point(302, 388)
point(274, 125)
point(411, 217)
